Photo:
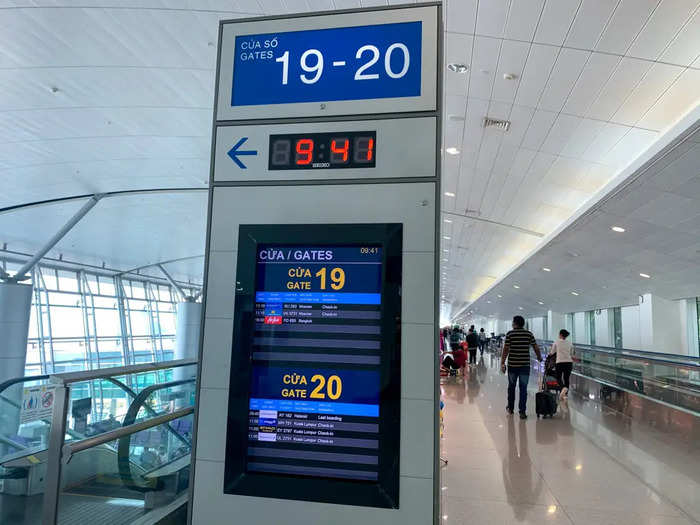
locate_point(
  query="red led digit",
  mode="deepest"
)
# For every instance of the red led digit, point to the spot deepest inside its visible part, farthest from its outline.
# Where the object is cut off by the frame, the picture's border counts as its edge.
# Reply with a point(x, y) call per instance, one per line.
point(305, 151)
point(363, 150)
point(370, 150)
point(340, 154)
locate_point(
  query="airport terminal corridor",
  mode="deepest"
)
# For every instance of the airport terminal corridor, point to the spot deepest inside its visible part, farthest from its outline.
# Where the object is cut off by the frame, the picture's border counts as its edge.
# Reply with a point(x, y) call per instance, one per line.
point(587, 465)
point(276, 262)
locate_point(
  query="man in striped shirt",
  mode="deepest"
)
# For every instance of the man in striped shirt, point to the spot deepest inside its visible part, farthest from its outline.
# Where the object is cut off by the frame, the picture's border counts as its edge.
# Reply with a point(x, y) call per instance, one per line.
point(516, 350)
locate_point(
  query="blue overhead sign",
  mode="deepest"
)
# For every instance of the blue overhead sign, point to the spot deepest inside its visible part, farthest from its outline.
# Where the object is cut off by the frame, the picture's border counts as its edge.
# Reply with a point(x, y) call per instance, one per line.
point(322, 65)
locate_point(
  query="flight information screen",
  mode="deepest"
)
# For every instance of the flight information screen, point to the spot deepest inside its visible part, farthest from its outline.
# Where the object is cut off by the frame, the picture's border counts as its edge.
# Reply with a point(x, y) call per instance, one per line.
point(317, 401)
point(314, 390)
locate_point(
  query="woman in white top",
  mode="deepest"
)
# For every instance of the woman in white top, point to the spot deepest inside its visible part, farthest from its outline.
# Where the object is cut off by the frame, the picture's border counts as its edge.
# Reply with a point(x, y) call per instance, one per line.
point(563, 350)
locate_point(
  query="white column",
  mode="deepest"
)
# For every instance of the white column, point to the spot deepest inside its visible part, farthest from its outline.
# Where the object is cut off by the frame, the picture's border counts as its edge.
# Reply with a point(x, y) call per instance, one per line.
point(604, 335)
point(187, 330)
point(555, 322)
point(688, 312)
point(15, 308)
point(659, 324)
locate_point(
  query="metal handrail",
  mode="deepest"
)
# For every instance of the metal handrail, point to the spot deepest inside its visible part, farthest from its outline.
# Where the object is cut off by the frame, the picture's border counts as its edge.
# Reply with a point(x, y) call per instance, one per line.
point(67, 378)
point(62, 383)
point(634, 354)
point(78, 446)
point(7, 384)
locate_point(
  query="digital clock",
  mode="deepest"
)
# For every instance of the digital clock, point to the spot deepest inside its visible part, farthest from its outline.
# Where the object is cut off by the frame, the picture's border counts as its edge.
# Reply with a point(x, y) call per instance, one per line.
point(351, 149)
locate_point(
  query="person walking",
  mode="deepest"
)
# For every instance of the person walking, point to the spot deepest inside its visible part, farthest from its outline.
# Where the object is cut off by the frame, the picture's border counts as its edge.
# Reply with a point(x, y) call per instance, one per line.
point(472, 345)
point(563, 349)
point(516, 353)
point(482, 341)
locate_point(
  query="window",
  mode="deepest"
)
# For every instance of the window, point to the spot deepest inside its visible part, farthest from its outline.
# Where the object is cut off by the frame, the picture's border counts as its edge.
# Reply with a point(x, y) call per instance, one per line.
point(591, 326)
point(79, 321)
point(617, 327)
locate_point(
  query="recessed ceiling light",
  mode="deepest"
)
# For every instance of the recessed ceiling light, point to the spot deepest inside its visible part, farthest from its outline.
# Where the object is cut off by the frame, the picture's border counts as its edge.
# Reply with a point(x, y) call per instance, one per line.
point(499, 296)
point(458, 68)
point(452, 151)
point(540, 302)
point(54, 89)
point(516, 286)
point(545, 269)
point(509, 76)
point(618, 229)
point(489, 302)
point(449, 194)
point(446, 237)
point(574, 293)
point(446, 251)
point(645, 275)
point(520, 307)
point(448, 221)
point(573, 254)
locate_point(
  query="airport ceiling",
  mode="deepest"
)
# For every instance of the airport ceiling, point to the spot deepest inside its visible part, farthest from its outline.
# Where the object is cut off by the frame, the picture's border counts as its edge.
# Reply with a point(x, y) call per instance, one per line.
point(114, 97)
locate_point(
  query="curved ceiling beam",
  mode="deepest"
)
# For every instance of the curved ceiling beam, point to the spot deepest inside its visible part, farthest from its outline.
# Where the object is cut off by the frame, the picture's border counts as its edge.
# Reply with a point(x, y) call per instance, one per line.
point(106, 195)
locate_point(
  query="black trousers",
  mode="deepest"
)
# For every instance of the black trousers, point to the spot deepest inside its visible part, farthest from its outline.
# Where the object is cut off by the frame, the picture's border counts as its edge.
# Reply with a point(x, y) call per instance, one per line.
point(472, 355)
point(564, 373)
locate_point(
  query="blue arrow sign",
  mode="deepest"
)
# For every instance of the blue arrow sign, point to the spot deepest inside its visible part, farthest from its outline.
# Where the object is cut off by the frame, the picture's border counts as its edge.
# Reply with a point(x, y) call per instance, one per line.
point(234, 153)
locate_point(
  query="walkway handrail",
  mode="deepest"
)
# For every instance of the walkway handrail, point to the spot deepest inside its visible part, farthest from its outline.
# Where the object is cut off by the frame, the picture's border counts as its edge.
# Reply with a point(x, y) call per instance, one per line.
point(62, 383)
point(683, 360)
point(67, 378)
point(124, 444)
point(24, 379)
point(78, 446)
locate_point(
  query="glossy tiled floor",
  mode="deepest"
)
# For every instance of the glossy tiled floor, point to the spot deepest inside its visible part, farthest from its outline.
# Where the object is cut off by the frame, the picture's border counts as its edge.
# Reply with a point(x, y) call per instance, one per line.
point(502, 470)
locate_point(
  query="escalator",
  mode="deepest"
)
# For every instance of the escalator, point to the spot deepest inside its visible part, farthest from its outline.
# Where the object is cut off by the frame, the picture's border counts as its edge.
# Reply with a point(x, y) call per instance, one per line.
point(126, 477)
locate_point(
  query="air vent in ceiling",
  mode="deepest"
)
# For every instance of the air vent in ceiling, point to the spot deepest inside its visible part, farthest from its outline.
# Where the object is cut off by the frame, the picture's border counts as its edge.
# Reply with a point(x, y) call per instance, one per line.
point(503, 125)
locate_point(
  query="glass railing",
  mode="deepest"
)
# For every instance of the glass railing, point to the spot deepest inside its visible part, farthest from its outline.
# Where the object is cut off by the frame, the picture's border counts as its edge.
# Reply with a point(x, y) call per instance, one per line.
point(668, 378)
point(124, 436)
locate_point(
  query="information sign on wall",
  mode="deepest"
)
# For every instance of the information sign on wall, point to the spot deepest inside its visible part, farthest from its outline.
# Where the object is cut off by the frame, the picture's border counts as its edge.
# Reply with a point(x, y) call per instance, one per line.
point(37, 403)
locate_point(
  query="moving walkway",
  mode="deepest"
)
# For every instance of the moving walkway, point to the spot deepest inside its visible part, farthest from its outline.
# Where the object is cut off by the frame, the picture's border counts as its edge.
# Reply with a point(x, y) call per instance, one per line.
point(117, 443)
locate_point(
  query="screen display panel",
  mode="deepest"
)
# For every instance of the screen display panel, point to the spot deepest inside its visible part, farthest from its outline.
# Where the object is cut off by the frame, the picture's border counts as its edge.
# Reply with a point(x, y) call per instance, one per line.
point(317, 406)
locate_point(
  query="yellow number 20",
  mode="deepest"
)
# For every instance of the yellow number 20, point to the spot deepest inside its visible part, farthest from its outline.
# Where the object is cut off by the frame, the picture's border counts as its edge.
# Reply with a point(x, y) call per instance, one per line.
point(334, 389)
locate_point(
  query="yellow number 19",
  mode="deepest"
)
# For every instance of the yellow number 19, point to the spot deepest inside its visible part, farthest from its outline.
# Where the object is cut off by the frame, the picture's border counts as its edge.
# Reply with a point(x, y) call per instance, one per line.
point(337, 278)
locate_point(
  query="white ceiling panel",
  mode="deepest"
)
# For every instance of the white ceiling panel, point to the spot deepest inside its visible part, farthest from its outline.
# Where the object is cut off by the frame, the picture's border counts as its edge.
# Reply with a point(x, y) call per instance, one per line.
point(557, 17)
point(595, 74)
point(523, 19)
point(627, 75)
point(604, 141)
point(661, 28)
point(645, 94)
point(633, 144)
point(540, 125)
point(680, 98)
point(461, 16)
point(560, 133)
point(582, 137)
point(589, 23)
point(625, 24)
point(567, 69)
point(484, 63)
point(511, 61)
point(520, 117)
point(684, 48)
point(536, 73)
point(491, 17)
